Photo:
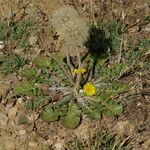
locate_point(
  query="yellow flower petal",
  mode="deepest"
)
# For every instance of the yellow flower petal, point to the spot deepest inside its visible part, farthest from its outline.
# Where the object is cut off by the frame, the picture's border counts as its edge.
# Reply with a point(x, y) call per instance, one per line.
point(76, 71)
point(89, 89)
point(82, 70)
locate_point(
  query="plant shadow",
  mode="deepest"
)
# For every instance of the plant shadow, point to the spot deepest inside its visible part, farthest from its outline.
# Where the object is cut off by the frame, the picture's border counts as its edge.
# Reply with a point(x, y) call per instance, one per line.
point(99, 45)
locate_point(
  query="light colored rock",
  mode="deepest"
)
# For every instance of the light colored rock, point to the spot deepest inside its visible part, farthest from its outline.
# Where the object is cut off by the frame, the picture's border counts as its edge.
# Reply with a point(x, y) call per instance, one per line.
point(59, 146)
point(20, 100)
point(22, 132)
point(1, 45)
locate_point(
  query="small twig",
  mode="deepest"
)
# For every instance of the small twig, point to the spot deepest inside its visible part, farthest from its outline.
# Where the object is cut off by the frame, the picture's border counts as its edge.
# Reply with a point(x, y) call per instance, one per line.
point(68, 62)
point(79, 73)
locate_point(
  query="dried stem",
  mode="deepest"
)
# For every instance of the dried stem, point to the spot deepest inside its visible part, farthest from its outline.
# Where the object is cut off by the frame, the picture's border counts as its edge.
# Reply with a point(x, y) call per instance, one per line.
point(79, 74)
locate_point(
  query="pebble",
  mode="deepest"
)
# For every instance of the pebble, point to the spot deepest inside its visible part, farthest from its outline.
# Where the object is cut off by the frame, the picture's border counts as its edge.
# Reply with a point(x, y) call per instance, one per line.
point(1, 45)
point(22, 132)
point(20, 100)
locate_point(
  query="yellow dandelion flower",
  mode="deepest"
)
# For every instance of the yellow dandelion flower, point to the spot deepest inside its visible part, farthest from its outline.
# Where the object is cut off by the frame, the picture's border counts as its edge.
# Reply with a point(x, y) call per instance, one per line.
point(76, 71)
point(82, 70)
point(89, 89)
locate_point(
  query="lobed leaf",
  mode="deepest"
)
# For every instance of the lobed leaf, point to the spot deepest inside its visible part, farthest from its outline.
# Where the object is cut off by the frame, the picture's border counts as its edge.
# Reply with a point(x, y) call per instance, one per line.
point(43, 62)
point(92, 109)
point(49, 114)
point(112, 88)
point(110, 107)
point(30, 72)
point(72, 119)
point(27, 89)
point(35, 103)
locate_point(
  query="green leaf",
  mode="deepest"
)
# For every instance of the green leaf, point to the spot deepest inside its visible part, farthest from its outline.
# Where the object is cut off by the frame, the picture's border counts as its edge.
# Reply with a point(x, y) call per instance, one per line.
point(30, 72)
point(113, 71)
point(49, 114)
point(110, 107)
point(61, 107)
point(43, 62)
point(3, 30)
point(72, 119)
point(35, 103)
point(112, 88)
point(12, 63)
point(92, 109)
point(22, 120)
point(21, 29)
point(26, 89)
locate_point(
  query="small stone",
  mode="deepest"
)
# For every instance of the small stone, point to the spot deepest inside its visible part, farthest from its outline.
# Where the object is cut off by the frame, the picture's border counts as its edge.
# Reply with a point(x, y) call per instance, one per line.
point(22, 132)
point(1, 45)
point(139, 104)
point(59, 146)
point(20, 100)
